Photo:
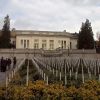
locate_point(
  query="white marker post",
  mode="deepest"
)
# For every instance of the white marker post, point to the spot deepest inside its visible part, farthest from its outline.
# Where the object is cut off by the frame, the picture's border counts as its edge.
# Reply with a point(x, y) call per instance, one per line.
point(82, 75)
point(44, 76)
point(47, 80)
point(27, 77)
point(60, 75)
point(99, 77)
point(65, 80)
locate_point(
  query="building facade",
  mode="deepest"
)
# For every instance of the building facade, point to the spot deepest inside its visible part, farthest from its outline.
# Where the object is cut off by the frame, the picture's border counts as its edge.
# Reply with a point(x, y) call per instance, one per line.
point(47, 40)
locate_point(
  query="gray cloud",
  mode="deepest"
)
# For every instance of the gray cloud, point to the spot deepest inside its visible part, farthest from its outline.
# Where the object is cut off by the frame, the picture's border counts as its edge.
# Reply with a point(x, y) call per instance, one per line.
point(51, 14)
point(83, 2)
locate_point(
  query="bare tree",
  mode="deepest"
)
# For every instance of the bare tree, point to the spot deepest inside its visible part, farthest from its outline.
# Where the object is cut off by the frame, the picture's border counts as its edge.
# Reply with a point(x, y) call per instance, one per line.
point(98, 36)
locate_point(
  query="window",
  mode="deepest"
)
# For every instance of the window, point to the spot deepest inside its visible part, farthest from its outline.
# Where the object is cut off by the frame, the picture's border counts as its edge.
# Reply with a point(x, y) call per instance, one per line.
point(51, 44)
point(43, 44)
point(36, 44)
point(64, 44)
point(24, 43)
point(44, 41)
point(36, 40)
point(27, 43)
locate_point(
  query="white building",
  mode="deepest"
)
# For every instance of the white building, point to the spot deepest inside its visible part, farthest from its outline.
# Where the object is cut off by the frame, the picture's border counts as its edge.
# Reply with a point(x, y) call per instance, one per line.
point(47, 40)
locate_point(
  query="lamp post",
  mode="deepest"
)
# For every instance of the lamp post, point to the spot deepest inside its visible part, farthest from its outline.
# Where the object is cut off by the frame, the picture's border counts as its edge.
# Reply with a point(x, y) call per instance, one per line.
point(27, 58)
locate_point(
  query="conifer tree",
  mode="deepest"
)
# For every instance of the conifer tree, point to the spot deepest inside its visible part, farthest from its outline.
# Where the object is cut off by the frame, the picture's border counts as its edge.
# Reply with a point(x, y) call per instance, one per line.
point(85, 39)
point(5, 34)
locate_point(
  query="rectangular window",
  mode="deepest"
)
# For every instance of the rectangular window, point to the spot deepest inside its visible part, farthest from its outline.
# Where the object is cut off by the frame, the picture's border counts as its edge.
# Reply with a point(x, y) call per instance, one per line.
point(64, 44)
point(51, 44)
point(43, 44)
point(36, 44)
point(27, 43)
point(36, 40)
point(24, 43)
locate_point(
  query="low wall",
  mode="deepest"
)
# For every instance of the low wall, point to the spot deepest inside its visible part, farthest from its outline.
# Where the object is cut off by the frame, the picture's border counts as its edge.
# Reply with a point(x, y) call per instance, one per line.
point(75, 51)
point(39, 52)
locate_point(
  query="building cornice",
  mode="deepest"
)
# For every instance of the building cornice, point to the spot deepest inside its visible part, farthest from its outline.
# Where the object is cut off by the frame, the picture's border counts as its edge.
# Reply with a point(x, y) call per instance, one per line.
point(43, 33)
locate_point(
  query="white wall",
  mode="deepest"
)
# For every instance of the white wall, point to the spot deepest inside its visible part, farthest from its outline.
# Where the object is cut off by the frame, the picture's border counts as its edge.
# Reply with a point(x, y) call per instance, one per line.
point(74, 43)
point(40, 38)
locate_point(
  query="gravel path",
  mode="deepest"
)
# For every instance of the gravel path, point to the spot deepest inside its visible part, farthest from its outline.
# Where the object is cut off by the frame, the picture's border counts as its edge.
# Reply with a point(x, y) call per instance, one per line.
point(2, 77)
point(3, 74)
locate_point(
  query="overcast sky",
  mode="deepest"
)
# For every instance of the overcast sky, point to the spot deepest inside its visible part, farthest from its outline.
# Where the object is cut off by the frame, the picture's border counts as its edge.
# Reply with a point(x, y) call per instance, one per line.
point(53, 15)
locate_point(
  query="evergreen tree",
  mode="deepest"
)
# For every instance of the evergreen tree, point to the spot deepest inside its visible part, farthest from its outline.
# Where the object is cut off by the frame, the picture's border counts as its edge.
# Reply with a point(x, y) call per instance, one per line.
point(85, 39)
point(5, 34)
